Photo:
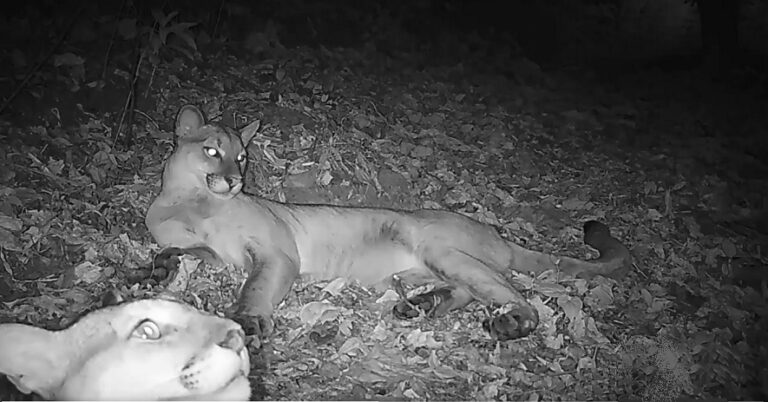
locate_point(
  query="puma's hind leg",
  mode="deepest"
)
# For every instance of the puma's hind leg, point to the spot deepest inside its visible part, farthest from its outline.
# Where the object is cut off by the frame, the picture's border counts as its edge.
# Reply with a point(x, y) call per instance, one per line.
point(470, 278)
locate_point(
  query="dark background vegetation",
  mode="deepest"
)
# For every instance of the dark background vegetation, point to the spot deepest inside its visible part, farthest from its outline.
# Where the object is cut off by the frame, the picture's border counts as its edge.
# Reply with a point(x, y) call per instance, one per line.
point(607, 36)
point(676, 90)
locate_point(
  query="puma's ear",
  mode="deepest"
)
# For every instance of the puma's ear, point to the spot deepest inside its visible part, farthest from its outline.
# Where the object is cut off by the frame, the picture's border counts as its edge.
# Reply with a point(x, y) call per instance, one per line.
point(188, 121)
point(29, 356)
point(249, 131)
point(112, 297)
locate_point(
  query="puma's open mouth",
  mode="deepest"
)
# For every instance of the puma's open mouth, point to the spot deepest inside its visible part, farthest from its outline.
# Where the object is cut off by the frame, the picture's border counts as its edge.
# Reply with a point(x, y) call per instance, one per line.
point(240, 374)
point(236, 382)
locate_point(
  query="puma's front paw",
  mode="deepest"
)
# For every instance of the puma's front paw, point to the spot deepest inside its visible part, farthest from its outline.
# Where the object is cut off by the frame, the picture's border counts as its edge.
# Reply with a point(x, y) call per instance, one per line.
point(513, 324)
point(426, 303)
point(259, 326)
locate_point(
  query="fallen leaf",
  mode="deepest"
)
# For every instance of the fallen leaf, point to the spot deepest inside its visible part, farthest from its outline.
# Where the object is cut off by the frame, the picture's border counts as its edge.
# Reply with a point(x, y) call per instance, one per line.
point(411, 394)
point(362, 121)
point(335, 286)
point(653, 214)
point(379, 333)
point(421, 151)
point(574, 203)
point(329, 370)
point(438, 368)
point(601, 296)
point(314, 313)
point(491, 390)
point(571, 305)
point(595, 333)
point(585, 363)
point(187, 265)
point(10, 223)
point(88, 272)
point(388, 296)
point(417, 338)
point(729, 248)
point(550, 289)
point(351, 345)
point(67, 59)
point(554, 342)
point(8, 241)
point(345, 327)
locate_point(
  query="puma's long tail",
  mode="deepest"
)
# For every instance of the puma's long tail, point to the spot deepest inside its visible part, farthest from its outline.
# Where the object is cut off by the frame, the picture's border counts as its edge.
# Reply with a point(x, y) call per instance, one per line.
point(614, 260)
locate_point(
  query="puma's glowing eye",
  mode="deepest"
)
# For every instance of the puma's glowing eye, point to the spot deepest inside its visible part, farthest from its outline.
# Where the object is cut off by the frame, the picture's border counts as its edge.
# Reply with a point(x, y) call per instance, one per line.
point(240, 157)
point(148, 330)
point(212, 152)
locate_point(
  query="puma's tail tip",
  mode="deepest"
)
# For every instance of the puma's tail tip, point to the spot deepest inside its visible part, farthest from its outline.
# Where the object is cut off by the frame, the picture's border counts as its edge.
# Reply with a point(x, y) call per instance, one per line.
point(598, 235)
point(592, 228)
point(614, 255)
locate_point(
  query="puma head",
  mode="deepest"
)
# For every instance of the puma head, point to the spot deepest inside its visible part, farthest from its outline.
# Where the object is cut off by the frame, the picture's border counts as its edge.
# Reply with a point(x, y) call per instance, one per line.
point(151, 349)
point(210, 155)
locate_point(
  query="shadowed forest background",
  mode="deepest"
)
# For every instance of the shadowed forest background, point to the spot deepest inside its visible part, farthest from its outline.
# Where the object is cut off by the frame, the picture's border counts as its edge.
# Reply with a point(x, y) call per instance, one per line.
point(533, 116)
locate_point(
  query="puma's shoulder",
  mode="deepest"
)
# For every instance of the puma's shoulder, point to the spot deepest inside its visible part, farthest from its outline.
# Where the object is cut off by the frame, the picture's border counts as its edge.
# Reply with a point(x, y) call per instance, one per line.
point(151, 349)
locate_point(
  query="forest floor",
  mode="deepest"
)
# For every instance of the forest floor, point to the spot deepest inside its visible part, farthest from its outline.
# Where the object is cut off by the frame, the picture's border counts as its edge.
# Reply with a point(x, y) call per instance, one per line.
point(672, 162)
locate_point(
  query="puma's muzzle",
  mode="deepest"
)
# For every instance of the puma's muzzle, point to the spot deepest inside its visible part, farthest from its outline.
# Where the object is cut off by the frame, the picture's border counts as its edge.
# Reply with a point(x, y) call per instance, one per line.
point(224, 186)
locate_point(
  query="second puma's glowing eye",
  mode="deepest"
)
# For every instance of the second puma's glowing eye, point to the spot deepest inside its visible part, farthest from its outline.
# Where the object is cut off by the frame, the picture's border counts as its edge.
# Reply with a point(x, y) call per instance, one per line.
point(212, 152)
point(240, 157)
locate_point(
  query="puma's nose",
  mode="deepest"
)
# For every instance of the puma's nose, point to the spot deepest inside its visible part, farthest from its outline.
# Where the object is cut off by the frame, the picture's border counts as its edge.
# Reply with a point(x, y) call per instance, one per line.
point(234, 339)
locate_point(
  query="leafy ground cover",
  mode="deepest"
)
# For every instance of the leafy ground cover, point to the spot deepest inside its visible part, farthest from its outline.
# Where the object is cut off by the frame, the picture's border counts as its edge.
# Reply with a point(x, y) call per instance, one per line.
point(671, 161)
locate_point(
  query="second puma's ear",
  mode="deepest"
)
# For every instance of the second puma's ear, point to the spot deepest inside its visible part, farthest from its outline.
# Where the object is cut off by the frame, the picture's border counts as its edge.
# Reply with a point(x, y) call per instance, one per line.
point(248, 132)
point(112, 297)
point(32, 358)
point(188, 121)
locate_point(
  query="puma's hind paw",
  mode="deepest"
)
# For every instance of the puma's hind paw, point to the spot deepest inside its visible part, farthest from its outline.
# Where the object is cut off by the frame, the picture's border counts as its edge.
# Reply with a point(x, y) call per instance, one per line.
point(169, 258)
point(426, 303)
point(513, 324)
point(165, 263)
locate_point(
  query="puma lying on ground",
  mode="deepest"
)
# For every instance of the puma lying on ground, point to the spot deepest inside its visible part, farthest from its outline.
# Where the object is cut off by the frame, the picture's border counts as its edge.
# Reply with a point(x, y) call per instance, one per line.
point(151, 349)
point(202, 210)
